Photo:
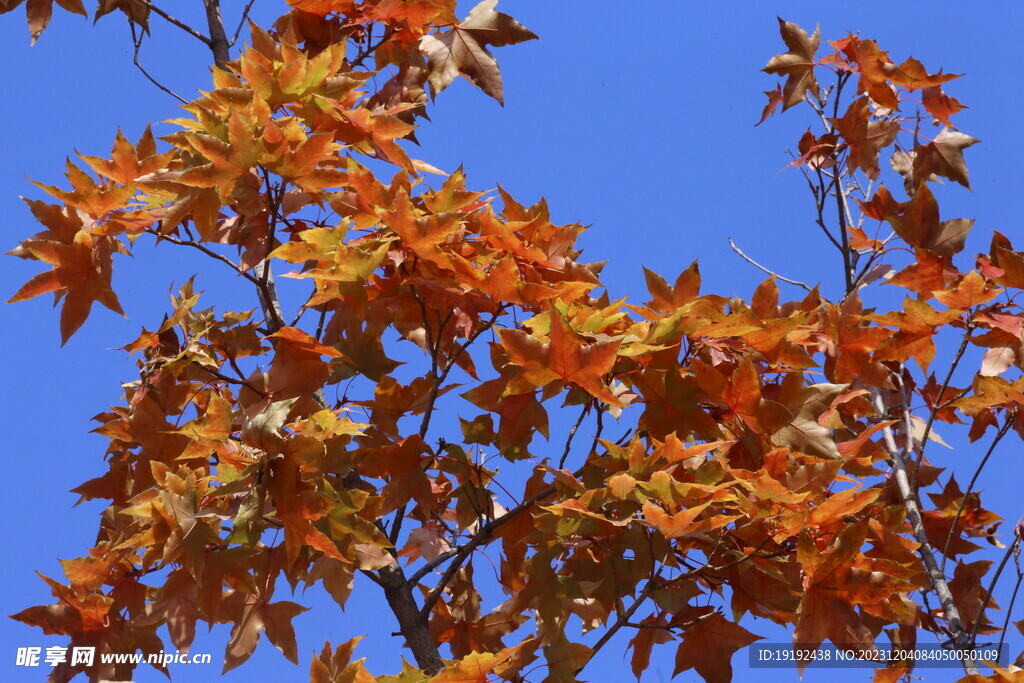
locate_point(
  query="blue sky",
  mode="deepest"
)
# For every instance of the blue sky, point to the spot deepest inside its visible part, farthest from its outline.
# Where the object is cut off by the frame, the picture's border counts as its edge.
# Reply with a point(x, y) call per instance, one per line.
point(634, 118)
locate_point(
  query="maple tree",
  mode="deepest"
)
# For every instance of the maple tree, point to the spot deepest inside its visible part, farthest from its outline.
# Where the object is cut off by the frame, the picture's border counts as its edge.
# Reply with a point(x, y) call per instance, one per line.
point(769, 455)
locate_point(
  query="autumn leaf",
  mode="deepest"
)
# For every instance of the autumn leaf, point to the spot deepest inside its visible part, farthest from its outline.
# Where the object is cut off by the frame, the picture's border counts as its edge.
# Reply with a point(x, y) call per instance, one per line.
point(972, 290)
point(137, 11)
point(919, 225)
point(667, 298)
point(708, 647)
point(804, 433)
point(274, 619)
point(474, 668)
point(997, 360)
point(81, 273)
point(463, 49)
point(565, 356)
point(774, 100)
point(644, 641)
point(881, 205)
point(797, 64)
point(940, 105)
point(40, 11)
point(323, 7)
point(944, 156)
point(864, 137)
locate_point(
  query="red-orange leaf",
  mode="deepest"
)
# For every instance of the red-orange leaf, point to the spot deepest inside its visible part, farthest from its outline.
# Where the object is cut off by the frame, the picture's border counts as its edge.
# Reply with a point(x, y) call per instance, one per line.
point(866, 138)
point(565, 356)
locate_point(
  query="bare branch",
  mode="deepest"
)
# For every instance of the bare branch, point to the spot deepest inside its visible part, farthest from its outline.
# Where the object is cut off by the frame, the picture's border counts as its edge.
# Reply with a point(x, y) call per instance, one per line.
point(176, 22)
point(1013, 597)
point(572, 433)
point(137, 41)
point(598, 431)
point(241, 22)
point(844, 237)
point(206, 250)
point(970, 486)
point(673, 627)
point(370, 48)
point(770, 272)
point(819, 192)
point(218, 40)
point(1012, 549)
point(940, 404)
point(231, 380)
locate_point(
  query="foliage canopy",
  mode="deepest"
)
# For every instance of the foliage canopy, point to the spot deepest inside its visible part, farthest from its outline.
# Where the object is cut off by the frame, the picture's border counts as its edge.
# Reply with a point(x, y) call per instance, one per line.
point(755, 457)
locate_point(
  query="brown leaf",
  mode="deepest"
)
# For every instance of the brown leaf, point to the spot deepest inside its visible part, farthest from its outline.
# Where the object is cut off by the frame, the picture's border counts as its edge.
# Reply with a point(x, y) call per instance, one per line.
point(944, 156)
point(565, 356)
point(804, 434)
point(919, 225)
point(708, 647)
point(463, 50)
point(81, 272)
point(797, 64)
point(274, 619)
point(137, 11)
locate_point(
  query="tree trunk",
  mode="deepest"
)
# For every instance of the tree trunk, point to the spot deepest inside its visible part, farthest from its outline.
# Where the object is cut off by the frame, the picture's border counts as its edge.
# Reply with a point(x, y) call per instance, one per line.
point(417, 636)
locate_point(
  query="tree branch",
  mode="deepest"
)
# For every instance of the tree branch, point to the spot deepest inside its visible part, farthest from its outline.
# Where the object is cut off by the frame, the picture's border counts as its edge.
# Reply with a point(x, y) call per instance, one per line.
point(572, 433)
point(180, 24)
point(939, 403)
point(935, 574)
point(770, 272)
point(970, 486)
point(218, 40)
point(241, 23)
point(206, 250)
point(137, 42)
point(465, 550)
point(1013, 597)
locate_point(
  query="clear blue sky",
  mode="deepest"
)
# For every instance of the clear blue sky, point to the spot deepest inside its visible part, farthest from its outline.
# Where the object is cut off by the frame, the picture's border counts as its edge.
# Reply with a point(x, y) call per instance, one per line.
point(635, 118)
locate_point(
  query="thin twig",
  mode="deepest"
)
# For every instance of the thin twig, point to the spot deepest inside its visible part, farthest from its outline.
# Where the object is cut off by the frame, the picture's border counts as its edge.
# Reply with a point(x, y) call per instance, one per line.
point(673, 627)
point(758, 265)
point(206, 250)
point(360, 57)
point(137, 41)
point(231, 380)
point(241, 23)
point(848, 267)
point(176, 22)
point(478, 539)
point(939, 403)
point(572, 433)
point(1010, 550)
point(1013, 598)
point(439, 375)
point(818, 191)
point(597, 433)
point(970, 486)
